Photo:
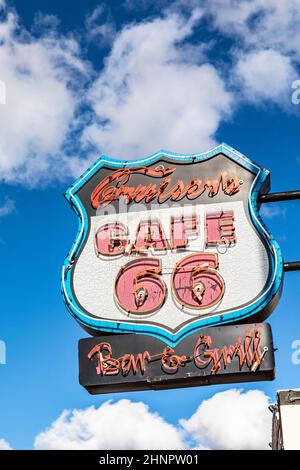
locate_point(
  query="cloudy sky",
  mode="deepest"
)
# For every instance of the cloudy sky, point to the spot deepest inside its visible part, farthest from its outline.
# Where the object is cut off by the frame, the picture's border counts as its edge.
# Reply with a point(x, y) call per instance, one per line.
point(125, 79)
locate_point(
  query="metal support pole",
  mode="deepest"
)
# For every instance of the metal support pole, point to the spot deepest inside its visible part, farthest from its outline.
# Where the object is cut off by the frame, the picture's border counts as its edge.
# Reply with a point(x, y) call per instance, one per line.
point(291, 266)
point(277, 197)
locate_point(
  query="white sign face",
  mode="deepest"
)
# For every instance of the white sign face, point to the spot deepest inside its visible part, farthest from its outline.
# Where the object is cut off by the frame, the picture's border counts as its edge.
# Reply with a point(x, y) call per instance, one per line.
point(171, 244)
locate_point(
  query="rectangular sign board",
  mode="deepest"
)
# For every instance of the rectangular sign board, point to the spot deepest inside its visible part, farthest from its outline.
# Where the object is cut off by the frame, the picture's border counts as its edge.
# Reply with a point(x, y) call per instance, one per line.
point(130, 362)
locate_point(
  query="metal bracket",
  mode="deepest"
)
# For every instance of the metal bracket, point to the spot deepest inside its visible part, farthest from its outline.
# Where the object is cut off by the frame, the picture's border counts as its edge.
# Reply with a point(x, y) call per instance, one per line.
point(291, 266)
point(278, 197)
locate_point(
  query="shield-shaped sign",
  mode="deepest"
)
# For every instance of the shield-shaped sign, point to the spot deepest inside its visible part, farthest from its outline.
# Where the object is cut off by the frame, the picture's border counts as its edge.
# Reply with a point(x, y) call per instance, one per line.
point(170, 244)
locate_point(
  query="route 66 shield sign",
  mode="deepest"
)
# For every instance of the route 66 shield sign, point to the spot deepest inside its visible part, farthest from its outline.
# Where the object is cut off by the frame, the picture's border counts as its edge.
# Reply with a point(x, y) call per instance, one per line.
point(171, 244)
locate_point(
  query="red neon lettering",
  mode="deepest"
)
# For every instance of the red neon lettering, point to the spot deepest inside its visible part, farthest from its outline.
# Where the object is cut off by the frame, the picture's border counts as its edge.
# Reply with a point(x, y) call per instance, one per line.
point(114, 186)
point(150, 235)
point(111, 239)
point(182, 229)
point(106, 364)
point(220, 228)
point(130, 362)
point(247, 351)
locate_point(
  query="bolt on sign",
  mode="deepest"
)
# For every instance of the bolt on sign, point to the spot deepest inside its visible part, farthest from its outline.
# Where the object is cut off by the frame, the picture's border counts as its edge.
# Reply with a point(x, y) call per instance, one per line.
point(168, 247)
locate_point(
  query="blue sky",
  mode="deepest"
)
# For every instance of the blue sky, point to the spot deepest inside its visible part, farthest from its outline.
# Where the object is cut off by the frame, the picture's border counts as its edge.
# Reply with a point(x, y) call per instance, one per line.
point(126, 79)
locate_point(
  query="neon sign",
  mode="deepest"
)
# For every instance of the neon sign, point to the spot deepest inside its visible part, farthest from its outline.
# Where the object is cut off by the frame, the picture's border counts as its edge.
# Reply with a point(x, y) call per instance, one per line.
point(113, 187)
point(167, 245)
point(224, 354)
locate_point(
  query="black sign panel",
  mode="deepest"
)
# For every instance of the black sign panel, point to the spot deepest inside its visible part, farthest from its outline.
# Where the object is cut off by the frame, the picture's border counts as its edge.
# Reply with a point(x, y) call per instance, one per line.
point(130, 362)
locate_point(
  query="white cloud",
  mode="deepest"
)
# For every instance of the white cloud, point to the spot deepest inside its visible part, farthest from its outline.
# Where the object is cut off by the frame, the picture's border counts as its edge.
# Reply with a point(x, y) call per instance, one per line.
point(3, 444)
point(260, 23)
point(265, 75)
point(266, 38)
point(99, 25)
point(120, 425)
point(228, 420)
point(154, 92)
point(149, 96)
point(232, 420)
point(41, 77)
point(157, 88)
point(271, 211)
point(7, 208)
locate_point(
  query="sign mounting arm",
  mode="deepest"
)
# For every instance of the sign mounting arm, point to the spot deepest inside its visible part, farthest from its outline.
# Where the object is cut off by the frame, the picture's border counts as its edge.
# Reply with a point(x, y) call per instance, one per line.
point(291, 266)
point(278, 197)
